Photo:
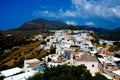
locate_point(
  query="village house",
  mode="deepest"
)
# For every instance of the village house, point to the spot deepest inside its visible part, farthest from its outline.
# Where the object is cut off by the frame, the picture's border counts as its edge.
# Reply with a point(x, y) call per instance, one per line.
point(10, 72)
point(102, 42)
point(116, 74)
point(86, 59)
point(72, 48)
point(31, 65)
point(22, 76)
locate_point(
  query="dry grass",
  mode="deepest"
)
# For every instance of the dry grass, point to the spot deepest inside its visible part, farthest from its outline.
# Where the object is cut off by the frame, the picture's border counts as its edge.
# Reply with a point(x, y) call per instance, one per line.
point(26, 51)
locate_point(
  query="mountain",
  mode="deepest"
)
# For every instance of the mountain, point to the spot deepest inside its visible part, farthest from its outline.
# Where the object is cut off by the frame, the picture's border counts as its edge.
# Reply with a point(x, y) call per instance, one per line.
point(115, 34)
point(42, 24)
point(108, 34)
point(104, 33)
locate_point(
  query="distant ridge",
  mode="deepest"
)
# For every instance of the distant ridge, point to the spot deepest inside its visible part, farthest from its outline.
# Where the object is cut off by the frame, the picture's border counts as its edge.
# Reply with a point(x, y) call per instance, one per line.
point(43, 24)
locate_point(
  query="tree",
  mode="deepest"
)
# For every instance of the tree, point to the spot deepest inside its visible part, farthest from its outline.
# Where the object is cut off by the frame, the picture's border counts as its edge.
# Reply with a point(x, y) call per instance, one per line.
point(37, 76)
point(52, 50)
point(43, 42)
point(104, 45)
point(117, 43)
point(95, 40)
point(99, 76)
point(117, 55)
point(49, 59)
point(64, 72)
point(113, 48)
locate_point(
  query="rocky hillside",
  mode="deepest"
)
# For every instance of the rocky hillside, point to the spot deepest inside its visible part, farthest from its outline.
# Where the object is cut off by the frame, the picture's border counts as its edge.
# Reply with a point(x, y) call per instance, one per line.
point(42, 24)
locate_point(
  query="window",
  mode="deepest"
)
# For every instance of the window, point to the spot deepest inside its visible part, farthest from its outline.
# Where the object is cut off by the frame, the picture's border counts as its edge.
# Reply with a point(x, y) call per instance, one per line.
point(106, 67)
point(68, 62)
point(93, 65)
point(63, 38)
point(74, 57)
point(114, 76)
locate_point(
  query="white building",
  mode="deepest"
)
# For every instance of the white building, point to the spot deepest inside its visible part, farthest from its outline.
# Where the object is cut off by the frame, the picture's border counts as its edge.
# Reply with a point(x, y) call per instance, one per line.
point(22, 76)
point(11, 72)
point(89, 61)
point(56, 63)
point(106, 42)
point(30, 64)
point(116, 74)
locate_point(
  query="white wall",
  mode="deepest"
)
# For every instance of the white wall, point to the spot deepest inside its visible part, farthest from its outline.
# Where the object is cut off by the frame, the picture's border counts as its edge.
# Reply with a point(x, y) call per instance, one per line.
point(50, 64)
point(89, 64)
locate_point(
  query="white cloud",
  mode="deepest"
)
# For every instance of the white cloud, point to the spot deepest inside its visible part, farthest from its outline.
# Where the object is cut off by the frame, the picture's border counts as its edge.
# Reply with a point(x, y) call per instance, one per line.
point(101, 8)
point(70, 22)
point(89, 23)
point(69, 13)
point(86, 8)
point(116, 11)
point(44, 13)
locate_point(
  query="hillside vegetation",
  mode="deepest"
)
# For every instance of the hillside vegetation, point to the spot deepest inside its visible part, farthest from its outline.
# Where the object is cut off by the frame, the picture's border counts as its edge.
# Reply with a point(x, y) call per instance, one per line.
point(15, 48)
point(64, 72)
point(13, 58)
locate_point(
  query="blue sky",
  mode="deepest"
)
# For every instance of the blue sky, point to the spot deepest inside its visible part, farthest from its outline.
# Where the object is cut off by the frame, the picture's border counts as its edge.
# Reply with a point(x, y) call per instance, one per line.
point(98, 13)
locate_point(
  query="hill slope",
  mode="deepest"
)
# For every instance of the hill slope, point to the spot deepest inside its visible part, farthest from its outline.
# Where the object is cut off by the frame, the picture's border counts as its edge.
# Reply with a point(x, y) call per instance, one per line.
point(104, 33)
point(42, 24)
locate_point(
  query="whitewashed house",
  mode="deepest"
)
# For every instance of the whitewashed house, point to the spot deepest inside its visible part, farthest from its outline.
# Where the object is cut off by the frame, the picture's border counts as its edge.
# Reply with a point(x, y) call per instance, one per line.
point(22, 76)
point(30, 64)
point(84, 47)
point(116, 74)
point(53, 57)
point(106, 42)
point(89, 61)
point(10, 72)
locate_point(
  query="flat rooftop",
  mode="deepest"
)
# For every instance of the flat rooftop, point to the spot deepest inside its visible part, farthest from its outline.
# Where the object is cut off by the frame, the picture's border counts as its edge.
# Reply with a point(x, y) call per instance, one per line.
point(85, 57)
point(117, 72)
point(10, 72)
point(22, 76)
point(32, 61)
